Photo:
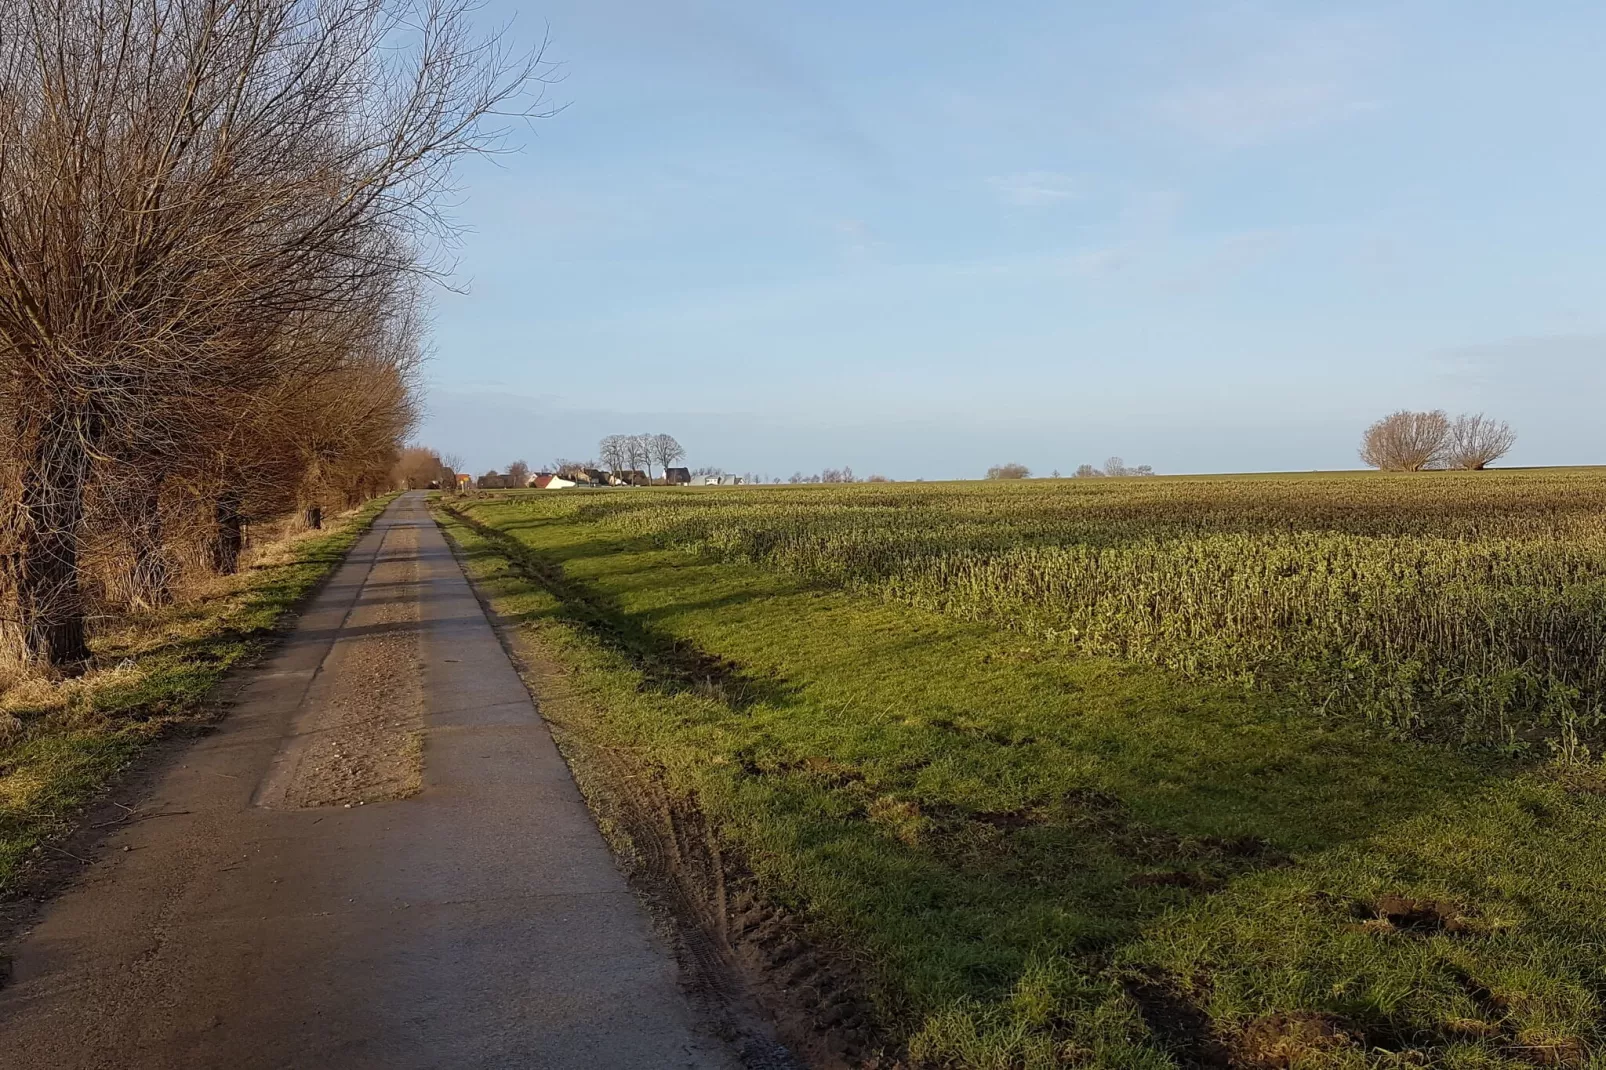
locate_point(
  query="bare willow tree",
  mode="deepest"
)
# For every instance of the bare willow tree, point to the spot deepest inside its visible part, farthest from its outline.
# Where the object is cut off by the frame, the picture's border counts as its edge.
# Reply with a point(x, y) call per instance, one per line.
point(1477, 441)
point(417, 467)
point(1407, 441)
point(191, 193)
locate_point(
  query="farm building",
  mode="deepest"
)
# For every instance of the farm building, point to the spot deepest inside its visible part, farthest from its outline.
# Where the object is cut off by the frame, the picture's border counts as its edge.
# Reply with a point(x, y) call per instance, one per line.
point(724, 480)
point(677, 477)
point(550, 482)
point(633, 477)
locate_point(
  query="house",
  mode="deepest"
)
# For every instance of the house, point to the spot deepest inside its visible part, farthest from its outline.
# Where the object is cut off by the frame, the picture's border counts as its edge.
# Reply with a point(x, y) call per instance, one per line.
point(548, 482)
point(464, 481)
point(598, 477)
point(725, 480)
point(632, 477)
point(677, 477)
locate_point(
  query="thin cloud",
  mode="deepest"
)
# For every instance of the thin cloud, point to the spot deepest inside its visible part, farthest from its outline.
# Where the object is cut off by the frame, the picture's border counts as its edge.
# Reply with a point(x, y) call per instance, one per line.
point(1245, 114)
point(1033, 189)
point(1288, 80)
point(1552, 366)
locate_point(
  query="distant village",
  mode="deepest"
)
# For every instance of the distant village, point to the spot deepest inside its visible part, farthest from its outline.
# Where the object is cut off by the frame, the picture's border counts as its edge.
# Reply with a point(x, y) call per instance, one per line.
point(561, 478)
point(653, 460)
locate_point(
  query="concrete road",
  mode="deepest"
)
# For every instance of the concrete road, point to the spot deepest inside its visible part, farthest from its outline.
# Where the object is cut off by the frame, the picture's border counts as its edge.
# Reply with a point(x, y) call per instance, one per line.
point(478, 923)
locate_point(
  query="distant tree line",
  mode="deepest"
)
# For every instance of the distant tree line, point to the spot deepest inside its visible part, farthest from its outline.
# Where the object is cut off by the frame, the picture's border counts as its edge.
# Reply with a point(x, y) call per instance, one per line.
point(419, 466)
point(836, 475)
point(1115, 466)
point(1407, 441)
point(633, 453)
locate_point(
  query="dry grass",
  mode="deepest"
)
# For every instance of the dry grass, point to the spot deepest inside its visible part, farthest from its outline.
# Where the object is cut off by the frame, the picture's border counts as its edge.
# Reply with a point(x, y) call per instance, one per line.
point(63, 739)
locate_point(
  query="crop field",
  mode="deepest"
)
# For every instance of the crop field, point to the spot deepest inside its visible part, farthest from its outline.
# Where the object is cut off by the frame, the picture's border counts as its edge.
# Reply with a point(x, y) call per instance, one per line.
point(1260, 771)
point(1467, 605)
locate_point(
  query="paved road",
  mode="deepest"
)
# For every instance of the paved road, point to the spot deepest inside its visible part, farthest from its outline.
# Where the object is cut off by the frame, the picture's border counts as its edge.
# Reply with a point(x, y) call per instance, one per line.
point(478, 923)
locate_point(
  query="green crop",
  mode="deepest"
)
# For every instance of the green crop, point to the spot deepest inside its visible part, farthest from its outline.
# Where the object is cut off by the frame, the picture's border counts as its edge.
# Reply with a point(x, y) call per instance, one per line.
point(1466, 606)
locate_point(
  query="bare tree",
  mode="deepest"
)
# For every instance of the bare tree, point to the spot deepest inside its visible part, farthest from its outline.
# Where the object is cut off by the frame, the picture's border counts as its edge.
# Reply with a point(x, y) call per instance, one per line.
point(637, 453)
point(194, 195)
point(665, 451)
point(518, 474)
point(1009, 471)
point(1407, 441)
point(1476, 441)
point(613, 453)
point(1086, 471)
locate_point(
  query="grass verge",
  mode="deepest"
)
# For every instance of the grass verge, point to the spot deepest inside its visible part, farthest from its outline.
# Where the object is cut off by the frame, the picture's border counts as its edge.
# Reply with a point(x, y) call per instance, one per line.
point(1039, 861)
point(63, 742)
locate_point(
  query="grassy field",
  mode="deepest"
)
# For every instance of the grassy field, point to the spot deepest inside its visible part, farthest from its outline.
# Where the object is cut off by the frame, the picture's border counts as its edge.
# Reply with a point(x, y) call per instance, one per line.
point(1469, 606)
point(62, 741)
point(897, 709)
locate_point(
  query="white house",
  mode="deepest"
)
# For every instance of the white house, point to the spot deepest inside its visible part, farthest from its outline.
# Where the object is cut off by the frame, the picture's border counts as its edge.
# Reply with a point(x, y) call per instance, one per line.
point(550, 482)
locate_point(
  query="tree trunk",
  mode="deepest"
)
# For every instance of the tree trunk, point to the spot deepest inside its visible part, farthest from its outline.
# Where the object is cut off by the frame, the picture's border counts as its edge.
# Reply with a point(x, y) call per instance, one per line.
point(50, 601)
point(150, 574)
point(228, 540)
point(314, 517)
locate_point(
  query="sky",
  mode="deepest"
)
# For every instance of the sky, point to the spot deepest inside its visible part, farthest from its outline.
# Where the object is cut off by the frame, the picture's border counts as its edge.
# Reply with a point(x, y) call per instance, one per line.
point(921, 239)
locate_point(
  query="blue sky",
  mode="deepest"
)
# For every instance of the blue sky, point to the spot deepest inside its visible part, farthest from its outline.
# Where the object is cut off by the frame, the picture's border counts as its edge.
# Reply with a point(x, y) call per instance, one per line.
point(921, 239)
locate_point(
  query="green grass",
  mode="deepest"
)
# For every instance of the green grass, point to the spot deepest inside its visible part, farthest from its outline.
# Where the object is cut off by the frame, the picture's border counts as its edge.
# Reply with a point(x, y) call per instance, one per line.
point(66, 741)
point(1041, 860)
point(1464, 606)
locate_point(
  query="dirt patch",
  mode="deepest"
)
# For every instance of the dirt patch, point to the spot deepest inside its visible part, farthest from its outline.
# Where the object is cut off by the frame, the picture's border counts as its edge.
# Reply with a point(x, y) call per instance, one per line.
point(362, 740)
point(825, 771)
point(1398, 913)
point(1280, 1041)
point(1173, 878)
point(1548, 1051)
point(1182, 1028)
